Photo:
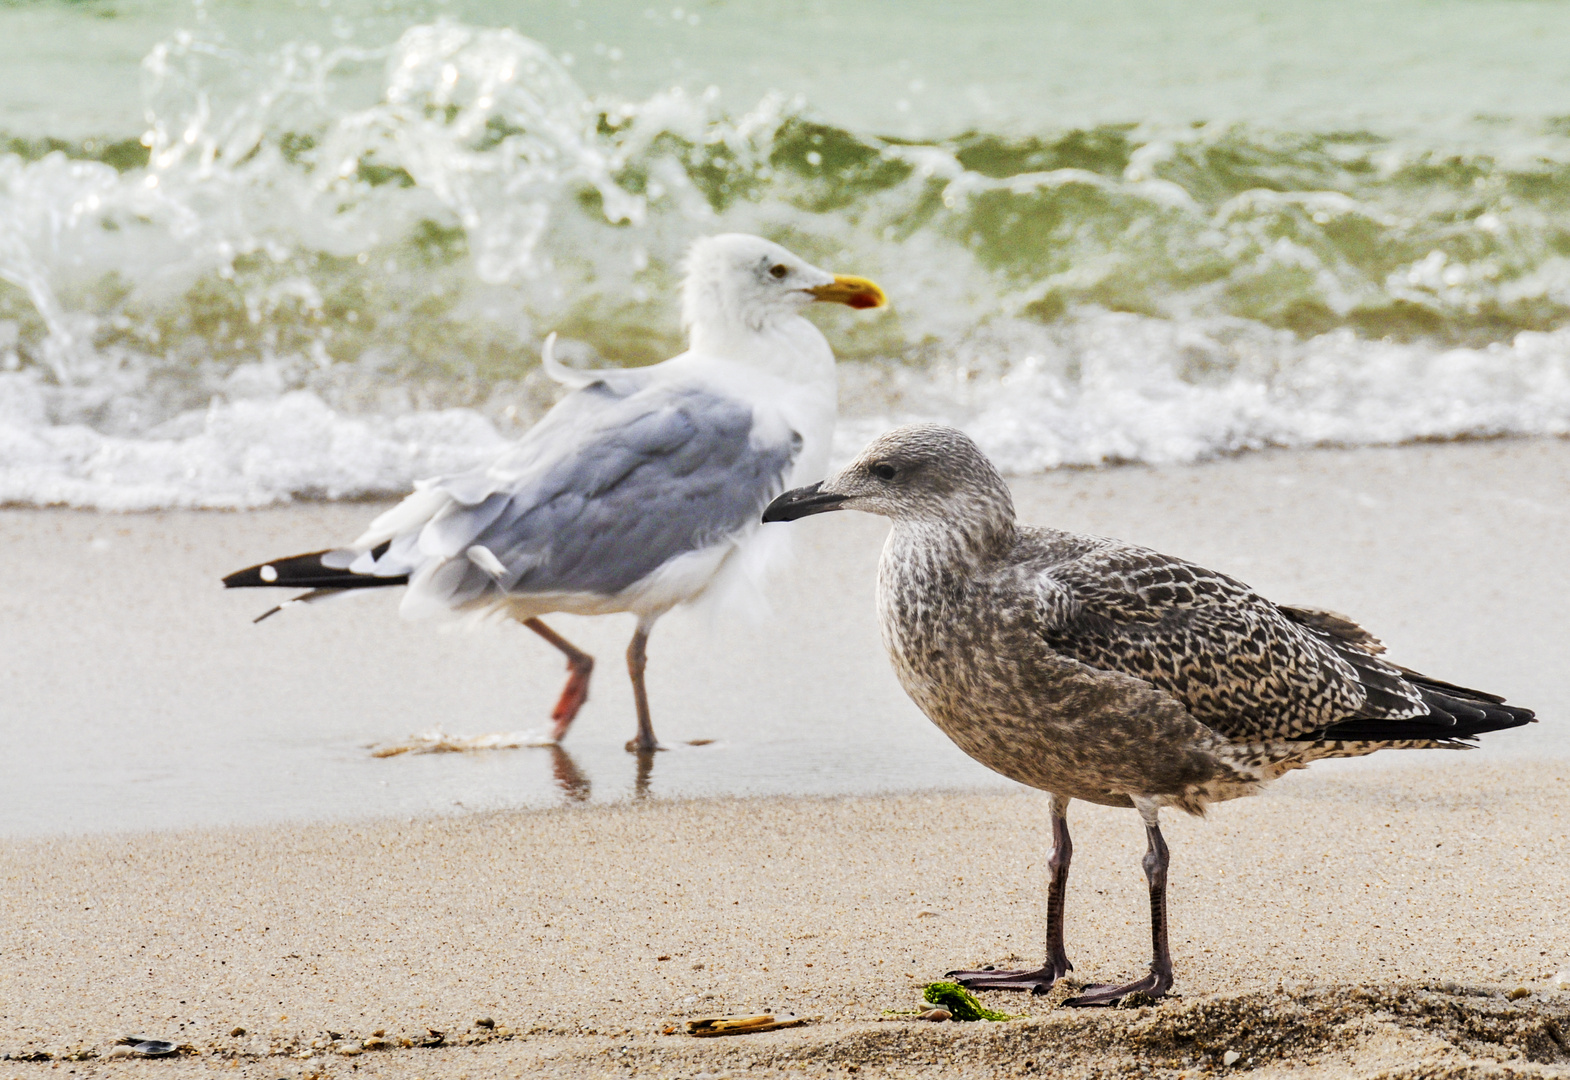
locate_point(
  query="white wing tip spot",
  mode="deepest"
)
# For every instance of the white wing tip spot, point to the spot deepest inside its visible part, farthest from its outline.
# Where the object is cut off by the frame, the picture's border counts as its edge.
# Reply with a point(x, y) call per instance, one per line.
point(269, 573)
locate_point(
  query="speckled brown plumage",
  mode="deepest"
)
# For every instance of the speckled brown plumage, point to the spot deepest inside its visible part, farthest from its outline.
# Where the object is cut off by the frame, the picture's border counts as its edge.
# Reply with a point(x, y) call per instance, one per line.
point(1099, 670)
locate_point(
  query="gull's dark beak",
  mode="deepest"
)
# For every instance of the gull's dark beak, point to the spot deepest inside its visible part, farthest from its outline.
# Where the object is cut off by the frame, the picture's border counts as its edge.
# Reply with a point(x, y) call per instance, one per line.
point(803, 502)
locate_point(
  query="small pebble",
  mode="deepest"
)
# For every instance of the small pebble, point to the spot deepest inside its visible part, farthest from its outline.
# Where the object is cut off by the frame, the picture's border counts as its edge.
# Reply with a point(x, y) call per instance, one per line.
point(485, 1022)
point(1231, 1057)
point(237, 1032)
point(1562, 980)
point(937, 1016)
point(1518, 993)
point(350, 1049)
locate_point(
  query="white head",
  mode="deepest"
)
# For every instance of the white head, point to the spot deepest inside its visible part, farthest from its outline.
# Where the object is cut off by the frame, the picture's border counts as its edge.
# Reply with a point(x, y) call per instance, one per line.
point(740, 282)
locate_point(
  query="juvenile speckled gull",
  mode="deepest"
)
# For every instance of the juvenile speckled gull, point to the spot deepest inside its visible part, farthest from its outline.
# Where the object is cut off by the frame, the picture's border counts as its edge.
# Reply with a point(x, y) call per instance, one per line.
point(1097, 670)
point(639, 490)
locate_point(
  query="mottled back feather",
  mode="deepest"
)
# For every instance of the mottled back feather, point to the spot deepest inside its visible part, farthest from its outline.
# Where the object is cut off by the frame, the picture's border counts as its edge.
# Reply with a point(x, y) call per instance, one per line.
point(1240, 664)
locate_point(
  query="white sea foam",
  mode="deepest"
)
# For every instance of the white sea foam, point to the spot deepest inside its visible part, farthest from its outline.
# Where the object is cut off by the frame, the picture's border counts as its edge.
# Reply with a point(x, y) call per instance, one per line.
point(230, 456)
point(1113, 387)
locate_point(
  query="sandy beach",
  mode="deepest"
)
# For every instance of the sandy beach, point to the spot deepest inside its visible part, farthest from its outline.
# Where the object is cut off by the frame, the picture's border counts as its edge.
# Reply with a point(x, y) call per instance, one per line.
point(1337, 927)
point(1280, 289)
point(199, 841)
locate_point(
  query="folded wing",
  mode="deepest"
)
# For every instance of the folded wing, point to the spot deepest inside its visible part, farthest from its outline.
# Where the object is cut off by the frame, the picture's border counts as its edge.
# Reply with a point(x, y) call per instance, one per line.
point(620, 479)
point(1245, 667)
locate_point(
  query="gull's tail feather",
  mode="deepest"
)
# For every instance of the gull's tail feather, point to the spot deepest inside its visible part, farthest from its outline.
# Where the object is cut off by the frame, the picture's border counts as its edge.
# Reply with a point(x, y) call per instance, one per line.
point(308, 571)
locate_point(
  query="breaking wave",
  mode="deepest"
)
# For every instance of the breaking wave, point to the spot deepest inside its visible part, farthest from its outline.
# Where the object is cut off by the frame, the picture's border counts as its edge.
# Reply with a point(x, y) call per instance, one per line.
point(285, 289)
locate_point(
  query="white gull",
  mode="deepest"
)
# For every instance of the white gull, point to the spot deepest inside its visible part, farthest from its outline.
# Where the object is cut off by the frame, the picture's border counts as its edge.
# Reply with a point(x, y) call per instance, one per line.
point(638, 491)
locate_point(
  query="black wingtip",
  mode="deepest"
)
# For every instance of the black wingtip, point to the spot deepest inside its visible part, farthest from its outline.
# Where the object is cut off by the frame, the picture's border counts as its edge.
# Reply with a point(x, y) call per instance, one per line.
point(1452, 718)
point(307, 572)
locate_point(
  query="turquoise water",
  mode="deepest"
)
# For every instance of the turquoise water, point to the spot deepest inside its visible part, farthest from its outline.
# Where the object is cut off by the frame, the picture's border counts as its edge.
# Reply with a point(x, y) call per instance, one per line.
point(259, 251)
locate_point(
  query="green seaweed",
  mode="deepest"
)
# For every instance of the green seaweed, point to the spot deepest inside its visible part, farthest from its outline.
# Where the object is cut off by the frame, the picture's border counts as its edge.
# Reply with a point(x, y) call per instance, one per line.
point(961, 1003)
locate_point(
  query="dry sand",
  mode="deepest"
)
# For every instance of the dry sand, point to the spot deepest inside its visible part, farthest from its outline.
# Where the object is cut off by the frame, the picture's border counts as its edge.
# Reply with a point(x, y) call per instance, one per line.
point(1358, 920)
point(1338, 926)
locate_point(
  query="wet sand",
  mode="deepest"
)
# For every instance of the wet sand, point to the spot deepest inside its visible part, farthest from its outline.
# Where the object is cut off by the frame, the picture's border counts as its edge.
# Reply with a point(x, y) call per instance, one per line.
point(138, 694)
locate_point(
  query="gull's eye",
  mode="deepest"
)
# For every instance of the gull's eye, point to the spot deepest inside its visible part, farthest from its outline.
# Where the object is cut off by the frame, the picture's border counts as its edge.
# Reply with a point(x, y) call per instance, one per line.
point(883, 471)
point(778, 270)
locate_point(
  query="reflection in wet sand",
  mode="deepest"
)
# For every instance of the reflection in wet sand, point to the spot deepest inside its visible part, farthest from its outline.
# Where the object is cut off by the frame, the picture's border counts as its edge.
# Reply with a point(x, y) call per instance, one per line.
point(645, 779)
point(574, 785)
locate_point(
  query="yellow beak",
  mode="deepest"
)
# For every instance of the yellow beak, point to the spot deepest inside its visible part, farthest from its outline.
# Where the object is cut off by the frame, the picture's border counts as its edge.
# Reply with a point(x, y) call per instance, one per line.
point(858, 292)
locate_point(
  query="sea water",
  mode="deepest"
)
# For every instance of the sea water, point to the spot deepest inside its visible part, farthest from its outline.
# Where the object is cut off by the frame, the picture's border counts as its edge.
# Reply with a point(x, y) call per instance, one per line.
point(262, 251)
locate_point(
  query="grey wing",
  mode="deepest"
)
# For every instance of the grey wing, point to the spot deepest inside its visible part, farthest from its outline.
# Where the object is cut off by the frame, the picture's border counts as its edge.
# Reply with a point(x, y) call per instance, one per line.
point(607, 490)
point(1241, 665)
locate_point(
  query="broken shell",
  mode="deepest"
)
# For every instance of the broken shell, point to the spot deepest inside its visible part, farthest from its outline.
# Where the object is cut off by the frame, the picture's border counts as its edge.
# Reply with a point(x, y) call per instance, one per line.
point(1231, 1057)
point(937, 1016)
point(154, 1048)
point(120, 1052)
point(709, 1026)
point(350, 1049)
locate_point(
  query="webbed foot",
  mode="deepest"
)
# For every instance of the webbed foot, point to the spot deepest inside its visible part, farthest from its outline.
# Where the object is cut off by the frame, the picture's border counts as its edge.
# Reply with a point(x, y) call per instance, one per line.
point(1155, 985)
point(1038, 981)
point(573, 695)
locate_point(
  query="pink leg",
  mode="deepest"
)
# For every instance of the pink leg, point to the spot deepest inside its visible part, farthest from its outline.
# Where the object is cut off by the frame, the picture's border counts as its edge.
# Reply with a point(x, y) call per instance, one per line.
point(580, 665)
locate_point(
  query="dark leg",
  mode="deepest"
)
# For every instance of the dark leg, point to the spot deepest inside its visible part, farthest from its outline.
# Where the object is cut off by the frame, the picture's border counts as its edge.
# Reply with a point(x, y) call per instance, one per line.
point(579, 666)
point(1159, 981)
point(1040, 980)
point(637, 660)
